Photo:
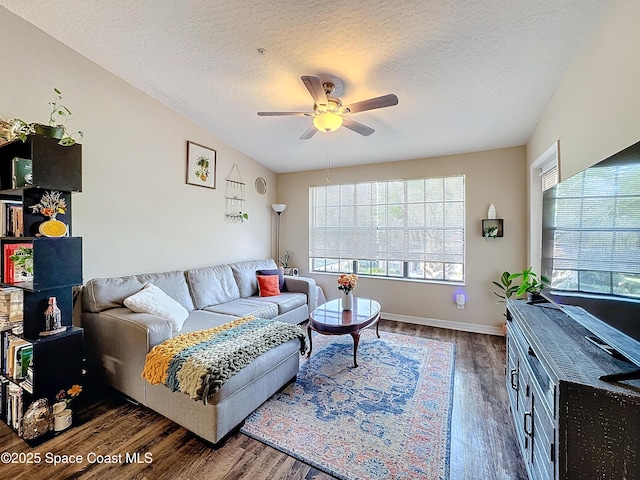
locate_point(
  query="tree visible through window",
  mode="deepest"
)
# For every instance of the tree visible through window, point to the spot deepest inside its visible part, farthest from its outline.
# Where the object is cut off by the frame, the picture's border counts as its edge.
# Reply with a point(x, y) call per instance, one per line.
point(402, 228)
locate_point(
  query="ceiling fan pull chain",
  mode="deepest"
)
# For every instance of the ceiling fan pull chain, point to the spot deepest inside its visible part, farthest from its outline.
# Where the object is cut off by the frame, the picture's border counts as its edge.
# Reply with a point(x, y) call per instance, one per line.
point(328, 156)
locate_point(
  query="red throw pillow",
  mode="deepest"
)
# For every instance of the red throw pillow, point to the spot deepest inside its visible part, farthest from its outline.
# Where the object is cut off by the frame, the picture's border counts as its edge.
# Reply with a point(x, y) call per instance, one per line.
point(268, 285)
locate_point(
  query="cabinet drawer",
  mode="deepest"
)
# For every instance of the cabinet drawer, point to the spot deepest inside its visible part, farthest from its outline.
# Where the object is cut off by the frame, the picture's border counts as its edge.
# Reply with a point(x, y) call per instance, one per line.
point(542, 437)
point(513, 375)
point(542, 381)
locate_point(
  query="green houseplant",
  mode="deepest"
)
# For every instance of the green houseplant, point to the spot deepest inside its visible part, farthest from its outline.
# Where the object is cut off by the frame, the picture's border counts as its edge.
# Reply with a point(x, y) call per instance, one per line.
point(531, 285)
point(15, 129)
point(506, 288)
point(58, 118)
point(56, 128)
point(285, 262)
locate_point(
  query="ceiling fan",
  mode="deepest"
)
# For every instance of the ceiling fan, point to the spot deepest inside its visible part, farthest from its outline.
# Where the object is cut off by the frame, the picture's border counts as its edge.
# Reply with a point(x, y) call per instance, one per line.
point(328, 112)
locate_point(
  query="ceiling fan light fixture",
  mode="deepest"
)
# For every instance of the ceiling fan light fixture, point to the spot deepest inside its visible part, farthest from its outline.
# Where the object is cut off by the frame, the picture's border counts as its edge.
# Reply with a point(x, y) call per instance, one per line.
point(327, 121)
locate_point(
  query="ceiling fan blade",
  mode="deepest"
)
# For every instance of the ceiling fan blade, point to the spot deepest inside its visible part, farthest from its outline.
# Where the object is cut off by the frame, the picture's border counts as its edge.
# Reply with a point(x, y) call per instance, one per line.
point(357, 127)
point(285, 114)
point(309, 132)
point(373, 103)
point(314, 85)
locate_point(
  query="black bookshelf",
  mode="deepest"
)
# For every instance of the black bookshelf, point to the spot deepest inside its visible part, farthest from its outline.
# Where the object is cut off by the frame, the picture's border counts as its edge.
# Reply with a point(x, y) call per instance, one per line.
point(57, 359)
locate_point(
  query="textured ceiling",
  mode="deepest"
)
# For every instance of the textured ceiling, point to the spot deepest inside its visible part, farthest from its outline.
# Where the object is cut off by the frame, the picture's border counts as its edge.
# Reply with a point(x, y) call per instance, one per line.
point(470, 75)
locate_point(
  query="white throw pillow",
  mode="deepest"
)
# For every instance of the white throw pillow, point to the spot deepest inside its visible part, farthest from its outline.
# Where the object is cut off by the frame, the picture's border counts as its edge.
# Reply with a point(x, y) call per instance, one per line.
point(153, 300)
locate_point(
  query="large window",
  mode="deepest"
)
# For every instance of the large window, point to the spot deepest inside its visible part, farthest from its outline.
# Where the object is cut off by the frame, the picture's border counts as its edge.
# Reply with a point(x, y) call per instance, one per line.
point(405, 228)
point(594, 231)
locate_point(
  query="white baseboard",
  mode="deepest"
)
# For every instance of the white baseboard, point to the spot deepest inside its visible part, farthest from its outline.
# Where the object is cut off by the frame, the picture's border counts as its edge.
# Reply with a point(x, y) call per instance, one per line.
point(433, 322)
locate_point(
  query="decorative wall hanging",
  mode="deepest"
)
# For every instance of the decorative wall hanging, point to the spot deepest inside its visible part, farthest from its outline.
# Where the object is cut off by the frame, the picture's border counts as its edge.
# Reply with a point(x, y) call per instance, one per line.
point(201, 165)
point(261, 186)
point(234, 197)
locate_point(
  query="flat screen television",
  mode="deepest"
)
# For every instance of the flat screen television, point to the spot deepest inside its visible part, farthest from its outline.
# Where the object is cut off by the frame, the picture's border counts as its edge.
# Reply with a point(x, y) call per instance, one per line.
point(591, 250)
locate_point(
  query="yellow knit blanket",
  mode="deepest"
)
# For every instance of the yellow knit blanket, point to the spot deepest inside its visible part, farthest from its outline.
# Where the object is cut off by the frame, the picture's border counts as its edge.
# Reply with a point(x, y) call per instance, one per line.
point(198, 363)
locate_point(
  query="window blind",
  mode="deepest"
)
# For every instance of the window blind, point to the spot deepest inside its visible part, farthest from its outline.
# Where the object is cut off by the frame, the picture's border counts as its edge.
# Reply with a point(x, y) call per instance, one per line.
point(596, 231)
point(417, 221)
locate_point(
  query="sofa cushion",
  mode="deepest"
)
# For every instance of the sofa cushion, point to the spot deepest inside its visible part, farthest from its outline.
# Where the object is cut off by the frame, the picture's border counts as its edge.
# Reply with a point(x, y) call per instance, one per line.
point(274, 271)
point(101, 294)
point(268, 285)
point(245, 275)
point(153, 300)
point(203, 320)
point(212, 285)
point(246, 306)
point(286, 301)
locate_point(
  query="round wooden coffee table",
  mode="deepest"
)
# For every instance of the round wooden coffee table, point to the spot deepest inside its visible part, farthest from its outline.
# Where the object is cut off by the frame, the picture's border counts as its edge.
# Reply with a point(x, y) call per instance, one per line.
point(330, 319)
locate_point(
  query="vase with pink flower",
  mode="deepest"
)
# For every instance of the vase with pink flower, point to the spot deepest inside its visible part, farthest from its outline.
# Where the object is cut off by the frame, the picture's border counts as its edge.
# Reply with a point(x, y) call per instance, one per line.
point(347, 282)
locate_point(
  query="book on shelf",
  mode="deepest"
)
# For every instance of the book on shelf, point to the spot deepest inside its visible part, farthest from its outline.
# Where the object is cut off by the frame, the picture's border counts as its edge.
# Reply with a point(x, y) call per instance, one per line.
point(14, 345)
point(4, 391)
point(14, 407)
point(16, 222)
point(11, 307)
point(15, 271)
point(27, 383)
point(11, 218)
point(21, 172)
point(22, 360)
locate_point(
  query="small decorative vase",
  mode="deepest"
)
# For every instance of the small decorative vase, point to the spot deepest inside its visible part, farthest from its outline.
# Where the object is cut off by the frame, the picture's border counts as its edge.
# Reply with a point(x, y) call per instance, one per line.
point(347, 301)
point(52, 319)
point(37, 419)
point(63, 420)
point(53, 228)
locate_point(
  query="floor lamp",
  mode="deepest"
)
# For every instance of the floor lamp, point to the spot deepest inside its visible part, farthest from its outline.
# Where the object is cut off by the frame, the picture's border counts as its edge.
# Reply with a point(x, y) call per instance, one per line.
point(278, 208)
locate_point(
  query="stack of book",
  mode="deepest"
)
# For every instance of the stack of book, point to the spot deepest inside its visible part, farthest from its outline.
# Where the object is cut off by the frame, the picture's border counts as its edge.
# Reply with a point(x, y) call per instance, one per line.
point(11, 312)
point(11, 219)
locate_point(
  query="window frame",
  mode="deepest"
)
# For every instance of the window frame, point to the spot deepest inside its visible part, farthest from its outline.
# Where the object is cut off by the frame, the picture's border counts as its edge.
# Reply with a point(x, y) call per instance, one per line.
point(548, 160)
point(452, 265)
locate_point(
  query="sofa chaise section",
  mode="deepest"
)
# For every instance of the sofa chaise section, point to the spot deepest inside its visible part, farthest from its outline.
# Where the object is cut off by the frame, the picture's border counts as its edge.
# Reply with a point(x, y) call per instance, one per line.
point(118, 339)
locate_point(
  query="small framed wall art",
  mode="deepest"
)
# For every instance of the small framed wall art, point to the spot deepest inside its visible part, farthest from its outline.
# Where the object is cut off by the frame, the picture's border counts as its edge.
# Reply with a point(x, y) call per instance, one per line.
point(201, 165)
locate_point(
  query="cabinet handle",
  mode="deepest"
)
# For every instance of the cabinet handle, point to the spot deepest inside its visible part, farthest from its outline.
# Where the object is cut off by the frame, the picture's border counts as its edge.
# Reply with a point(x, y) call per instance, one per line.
point(528, 426)
point(514, 379)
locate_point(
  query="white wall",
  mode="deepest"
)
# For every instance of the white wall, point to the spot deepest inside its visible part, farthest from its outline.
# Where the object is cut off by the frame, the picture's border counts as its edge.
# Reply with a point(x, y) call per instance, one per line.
point(496, 176)
point(136, 214)
point(595, 110)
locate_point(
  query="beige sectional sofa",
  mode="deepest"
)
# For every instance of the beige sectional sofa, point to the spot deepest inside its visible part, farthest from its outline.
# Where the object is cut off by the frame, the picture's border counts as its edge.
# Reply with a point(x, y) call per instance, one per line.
point(117, 339)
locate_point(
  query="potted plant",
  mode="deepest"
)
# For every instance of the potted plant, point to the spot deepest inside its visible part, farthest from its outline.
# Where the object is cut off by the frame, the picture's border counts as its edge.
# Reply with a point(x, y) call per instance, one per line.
point(58, 118)
point(506, 287)
point(491, 232)
point(531, 285)
point(56, 128)
point(285, 262)
point(506, 290)
point(14, 129)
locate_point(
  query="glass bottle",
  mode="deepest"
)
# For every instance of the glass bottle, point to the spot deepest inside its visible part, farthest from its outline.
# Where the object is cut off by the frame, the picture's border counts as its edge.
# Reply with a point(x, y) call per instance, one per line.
point(52, 315)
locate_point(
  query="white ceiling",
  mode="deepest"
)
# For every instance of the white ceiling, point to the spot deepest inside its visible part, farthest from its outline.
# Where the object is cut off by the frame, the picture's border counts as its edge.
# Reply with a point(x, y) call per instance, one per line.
point(470, 75)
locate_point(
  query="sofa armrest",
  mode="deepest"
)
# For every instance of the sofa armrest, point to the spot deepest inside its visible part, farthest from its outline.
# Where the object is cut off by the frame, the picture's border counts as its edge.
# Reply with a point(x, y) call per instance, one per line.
point(117, 342)
point(302, 285)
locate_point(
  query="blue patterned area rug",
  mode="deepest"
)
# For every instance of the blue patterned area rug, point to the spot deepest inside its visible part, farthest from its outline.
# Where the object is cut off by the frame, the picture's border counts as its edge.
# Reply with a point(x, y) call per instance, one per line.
point(389, 418)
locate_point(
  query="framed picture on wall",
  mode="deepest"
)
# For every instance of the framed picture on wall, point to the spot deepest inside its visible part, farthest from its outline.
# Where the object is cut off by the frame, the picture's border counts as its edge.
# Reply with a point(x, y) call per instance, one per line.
point(201, 165)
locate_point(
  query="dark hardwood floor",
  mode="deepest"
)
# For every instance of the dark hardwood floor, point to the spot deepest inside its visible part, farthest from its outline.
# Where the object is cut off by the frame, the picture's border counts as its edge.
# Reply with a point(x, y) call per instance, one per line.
point(483, 443)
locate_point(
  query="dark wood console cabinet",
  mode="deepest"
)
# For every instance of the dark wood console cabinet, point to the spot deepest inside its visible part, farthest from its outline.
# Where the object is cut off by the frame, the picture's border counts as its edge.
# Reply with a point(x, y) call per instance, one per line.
point(569, 423)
